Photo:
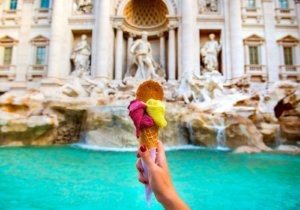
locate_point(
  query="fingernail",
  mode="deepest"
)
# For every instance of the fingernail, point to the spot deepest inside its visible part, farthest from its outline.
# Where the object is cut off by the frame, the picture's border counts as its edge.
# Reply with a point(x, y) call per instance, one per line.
point(143, 148)
point(145, 182)
point(141, 170)
point(138, 154)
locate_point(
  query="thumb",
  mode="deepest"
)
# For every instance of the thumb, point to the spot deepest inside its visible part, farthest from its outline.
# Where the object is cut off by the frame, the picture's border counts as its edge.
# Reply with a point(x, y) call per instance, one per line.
point(161, 159)
point(146, 157)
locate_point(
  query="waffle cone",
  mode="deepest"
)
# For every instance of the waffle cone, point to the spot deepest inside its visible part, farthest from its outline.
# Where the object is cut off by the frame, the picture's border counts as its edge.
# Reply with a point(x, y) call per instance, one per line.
point(150, 89)
point(149, 137)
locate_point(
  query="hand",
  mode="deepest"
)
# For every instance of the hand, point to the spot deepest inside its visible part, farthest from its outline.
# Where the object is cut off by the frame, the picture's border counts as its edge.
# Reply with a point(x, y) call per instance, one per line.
point(159, 178)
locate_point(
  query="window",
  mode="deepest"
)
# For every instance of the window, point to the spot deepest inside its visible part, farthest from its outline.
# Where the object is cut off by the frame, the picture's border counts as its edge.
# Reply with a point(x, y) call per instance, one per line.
point(250, 3)
point(288, 56)
point(40, 55)
point(283, 4)
point(13, 4)
point(253, 53)
point(7, 55)
point(44, 4)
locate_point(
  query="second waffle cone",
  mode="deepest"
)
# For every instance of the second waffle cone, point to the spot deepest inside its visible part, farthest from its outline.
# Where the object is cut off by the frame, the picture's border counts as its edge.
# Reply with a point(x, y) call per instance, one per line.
point(149, 137)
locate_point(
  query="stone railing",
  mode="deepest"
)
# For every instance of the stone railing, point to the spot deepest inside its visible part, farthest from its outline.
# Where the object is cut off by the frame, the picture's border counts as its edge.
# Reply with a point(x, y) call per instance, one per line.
point(285, 14)
point(251, 13)
point(36, 71)
point(8, 71)
point(252, 70)
point(289, 71)
point(11, 15)
point(41, 14)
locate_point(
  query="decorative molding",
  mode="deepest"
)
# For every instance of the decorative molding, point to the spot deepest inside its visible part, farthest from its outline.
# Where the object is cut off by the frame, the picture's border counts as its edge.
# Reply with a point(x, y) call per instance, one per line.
point(288, 40)
point(254, 40)
point(40, 41)
point(8, 41)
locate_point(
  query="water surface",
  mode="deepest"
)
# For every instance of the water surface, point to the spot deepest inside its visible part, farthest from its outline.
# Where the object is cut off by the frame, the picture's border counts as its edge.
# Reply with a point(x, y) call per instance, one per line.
point(72, 178)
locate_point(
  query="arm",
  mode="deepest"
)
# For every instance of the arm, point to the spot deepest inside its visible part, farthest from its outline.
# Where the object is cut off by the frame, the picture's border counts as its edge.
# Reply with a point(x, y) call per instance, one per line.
point(159, 178)
point(133, 46)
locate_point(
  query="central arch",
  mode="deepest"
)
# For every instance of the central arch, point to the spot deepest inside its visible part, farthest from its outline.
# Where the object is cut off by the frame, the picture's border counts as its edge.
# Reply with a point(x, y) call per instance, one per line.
point(146, 15)
point(158, 18)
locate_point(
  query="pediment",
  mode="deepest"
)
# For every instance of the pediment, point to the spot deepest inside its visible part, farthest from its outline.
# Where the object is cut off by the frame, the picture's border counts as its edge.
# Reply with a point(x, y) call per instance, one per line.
point(254, 39)
point(40, 40)
point(8, 40)
point(288, 40)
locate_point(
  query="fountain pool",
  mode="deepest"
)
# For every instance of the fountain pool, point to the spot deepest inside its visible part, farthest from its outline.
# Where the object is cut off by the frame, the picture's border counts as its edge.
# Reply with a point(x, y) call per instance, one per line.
point(69, 177)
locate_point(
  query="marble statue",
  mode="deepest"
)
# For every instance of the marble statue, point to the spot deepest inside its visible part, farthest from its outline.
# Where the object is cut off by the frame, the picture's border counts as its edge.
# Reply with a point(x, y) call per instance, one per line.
point(84, 6)
point(81, 55)
point(189, 90)
point(213, 85)
point(146, 65)
point(209, 53)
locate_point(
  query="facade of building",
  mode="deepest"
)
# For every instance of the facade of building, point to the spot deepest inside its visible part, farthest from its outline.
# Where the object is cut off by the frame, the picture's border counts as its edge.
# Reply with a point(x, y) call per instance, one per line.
point(259, 39)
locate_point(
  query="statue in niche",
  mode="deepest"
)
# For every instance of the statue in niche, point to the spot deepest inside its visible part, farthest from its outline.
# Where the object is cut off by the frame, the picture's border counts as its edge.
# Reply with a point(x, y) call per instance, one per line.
point(81, 55)
point(84, 6)
point(209, 53)
point(147, 67)
point(208, 6)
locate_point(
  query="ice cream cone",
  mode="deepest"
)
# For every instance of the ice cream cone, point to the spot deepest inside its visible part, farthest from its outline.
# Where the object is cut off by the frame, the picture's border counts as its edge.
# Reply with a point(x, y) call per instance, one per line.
point(149, 137)
point(149, 89)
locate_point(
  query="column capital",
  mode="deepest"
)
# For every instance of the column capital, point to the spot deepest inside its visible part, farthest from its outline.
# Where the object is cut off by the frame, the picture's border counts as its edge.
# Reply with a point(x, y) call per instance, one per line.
point(161, 34)
point(131, 35)
point(118, 22)
point(172, 26)
point(118, 26)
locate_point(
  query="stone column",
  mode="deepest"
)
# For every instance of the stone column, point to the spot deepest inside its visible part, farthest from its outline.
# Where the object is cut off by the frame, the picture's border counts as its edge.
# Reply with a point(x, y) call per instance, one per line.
point(23, 60)
point(297, 5)
point(271, 44)
point(171, 54)
point(57, 40)
point(119, 54)
point(103, 32)
point(162, 53)
point(188, 35)
point(236, 42)
point(226, 43)
point(129, 55)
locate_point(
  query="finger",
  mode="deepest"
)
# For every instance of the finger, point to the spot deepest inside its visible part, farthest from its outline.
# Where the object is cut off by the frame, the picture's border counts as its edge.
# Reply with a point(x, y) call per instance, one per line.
point(142, 179)
point(139, 166)
point(161, 159)
point(146, 157)
point(138, 154)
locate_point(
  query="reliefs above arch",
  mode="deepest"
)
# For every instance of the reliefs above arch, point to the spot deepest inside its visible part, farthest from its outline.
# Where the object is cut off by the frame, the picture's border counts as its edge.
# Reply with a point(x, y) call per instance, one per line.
point(208, 6)
point(84, 6)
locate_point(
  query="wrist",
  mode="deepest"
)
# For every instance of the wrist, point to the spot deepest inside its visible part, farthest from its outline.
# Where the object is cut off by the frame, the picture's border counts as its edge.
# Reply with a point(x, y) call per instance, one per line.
point(169, 199)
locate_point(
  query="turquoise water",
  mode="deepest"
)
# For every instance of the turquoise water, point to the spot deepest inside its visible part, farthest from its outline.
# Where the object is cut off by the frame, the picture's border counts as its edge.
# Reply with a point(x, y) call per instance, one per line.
point(73, 178)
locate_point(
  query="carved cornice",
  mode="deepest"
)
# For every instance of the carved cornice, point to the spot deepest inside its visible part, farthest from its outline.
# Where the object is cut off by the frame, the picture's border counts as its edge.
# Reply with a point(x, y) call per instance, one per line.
point(40, 41)
point(288, 41)
point(254, 40)
point(8, 41)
